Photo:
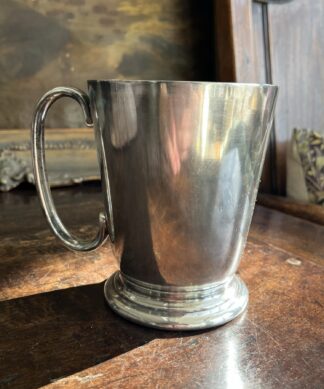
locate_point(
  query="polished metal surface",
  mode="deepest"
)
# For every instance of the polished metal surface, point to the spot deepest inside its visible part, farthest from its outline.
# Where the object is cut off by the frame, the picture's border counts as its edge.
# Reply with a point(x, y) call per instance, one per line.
point(180, 164)
point(185, 308)
point(40, 174)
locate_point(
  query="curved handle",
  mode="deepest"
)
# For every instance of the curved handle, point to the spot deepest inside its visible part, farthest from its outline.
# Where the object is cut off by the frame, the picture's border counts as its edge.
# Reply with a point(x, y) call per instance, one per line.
point(41, 180)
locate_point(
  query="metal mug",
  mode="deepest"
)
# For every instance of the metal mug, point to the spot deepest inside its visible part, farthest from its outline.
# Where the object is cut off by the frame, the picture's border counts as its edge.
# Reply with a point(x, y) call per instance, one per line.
point(180, 166)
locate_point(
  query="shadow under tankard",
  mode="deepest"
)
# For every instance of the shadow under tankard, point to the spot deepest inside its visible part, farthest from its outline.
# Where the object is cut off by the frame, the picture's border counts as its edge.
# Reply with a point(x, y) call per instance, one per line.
point(63, 332)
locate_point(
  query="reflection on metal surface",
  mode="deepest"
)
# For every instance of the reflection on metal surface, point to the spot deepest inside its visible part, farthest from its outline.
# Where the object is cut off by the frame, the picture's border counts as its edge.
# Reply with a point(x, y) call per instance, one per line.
point(174, 308)
point(180, 164)
point(40, 172)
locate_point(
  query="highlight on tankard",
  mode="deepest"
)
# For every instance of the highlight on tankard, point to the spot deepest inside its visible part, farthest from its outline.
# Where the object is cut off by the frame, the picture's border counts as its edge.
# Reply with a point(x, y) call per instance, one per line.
point(180, 168)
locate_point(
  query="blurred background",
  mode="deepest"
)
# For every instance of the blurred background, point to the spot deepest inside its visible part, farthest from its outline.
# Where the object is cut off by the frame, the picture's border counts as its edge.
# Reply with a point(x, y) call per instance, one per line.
point(47, 43)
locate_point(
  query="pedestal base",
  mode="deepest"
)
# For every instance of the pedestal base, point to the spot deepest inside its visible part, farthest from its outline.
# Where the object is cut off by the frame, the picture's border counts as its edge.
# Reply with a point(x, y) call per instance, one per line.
point(176, 308)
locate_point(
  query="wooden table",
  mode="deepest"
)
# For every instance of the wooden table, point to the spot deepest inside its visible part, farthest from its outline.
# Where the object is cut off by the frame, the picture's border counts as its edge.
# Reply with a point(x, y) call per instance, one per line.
point(56, 329)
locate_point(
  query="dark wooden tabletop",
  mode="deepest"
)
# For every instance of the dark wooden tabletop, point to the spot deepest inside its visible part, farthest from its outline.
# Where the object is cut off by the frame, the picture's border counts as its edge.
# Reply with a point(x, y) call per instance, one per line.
point(56, 330)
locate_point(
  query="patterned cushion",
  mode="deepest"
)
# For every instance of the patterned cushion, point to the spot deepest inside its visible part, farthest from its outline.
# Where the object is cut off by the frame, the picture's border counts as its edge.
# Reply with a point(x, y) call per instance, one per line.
point(305, 166)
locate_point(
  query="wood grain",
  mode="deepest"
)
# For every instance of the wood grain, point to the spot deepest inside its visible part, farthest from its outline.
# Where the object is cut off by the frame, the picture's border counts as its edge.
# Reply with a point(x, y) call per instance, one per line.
point(297, 52)
point(281, 43)
point(234, 41)
point(311, 212)
point(241, 56)
point(57, 330)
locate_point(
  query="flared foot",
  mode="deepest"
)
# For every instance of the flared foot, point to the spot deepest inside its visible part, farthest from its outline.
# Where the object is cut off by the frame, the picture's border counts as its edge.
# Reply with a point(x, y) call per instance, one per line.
point(176, 308)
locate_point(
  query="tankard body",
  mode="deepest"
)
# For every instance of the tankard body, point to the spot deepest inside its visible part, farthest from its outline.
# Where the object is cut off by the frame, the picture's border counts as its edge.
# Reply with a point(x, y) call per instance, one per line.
point(180, 165)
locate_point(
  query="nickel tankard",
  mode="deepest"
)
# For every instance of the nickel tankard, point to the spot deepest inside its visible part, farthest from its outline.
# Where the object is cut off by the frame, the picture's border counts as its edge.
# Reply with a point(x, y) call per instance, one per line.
point(180, 167)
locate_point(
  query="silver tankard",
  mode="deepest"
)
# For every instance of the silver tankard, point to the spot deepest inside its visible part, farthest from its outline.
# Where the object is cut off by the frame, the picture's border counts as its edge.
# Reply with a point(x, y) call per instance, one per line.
point(180, 166)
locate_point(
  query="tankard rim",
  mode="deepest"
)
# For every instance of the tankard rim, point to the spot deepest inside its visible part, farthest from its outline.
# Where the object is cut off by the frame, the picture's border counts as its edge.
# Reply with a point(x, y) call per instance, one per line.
point(231, 84)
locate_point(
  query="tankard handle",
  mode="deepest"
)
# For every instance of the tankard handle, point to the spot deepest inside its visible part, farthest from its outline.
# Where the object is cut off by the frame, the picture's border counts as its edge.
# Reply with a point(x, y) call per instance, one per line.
point(41, 179)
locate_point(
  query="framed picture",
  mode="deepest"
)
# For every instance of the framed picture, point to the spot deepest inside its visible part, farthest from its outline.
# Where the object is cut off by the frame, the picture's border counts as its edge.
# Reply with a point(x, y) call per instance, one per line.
point(47, 44)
